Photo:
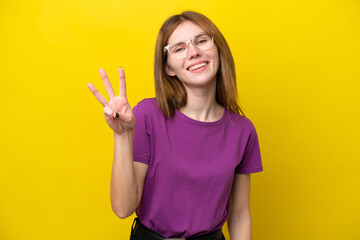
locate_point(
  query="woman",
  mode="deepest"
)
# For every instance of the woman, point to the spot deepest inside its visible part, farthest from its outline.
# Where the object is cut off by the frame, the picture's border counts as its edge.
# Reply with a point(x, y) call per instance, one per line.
point(184, 165)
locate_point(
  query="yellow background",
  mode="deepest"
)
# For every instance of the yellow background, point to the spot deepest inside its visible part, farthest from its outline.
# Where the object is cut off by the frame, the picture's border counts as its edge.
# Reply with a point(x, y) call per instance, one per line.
point(297, 64)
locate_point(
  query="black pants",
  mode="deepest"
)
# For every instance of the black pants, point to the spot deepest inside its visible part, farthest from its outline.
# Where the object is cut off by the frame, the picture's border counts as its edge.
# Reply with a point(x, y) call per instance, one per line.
point(133, 237)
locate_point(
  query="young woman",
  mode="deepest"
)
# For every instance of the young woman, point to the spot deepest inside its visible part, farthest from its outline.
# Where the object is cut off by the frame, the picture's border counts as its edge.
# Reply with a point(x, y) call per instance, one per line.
point(184, 165)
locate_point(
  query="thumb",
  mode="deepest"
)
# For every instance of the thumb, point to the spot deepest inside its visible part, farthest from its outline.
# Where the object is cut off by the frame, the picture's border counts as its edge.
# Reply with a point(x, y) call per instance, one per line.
point(109, 112)
point(127, 118)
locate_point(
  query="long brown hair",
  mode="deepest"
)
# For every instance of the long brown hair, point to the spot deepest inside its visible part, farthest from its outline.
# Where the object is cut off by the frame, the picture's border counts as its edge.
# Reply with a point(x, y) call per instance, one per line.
point(170, 92)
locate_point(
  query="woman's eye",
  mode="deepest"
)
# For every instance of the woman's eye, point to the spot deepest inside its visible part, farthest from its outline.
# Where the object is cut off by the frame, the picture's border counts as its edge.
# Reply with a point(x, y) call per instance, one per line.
point(202, 41)
point(179, 49)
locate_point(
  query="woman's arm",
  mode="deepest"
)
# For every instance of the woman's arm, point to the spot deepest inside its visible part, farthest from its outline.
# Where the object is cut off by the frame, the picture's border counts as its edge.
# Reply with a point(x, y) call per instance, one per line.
point(239, 222)
point(127, 177)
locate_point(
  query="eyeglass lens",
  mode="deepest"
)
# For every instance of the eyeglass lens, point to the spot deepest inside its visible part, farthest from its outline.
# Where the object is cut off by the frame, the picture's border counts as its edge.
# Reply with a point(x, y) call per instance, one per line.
point(180, 49)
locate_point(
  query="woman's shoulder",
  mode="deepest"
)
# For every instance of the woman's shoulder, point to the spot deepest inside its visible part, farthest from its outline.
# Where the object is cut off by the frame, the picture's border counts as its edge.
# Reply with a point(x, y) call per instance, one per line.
point(239, 120)
point(147, 104)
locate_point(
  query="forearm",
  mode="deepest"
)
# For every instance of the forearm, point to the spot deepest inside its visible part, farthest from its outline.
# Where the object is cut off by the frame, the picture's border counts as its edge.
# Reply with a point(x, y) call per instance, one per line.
point(240, 228)
point(123, 191)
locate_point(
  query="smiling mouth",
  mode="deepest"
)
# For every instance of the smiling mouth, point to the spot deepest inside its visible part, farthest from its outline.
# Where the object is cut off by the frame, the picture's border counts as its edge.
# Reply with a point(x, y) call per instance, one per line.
point(197, 66)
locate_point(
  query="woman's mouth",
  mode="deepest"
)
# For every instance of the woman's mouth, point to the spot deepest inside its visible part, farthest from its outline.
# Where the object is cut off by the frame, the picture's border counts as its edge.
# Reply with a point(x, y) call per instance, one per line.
point(198, 67)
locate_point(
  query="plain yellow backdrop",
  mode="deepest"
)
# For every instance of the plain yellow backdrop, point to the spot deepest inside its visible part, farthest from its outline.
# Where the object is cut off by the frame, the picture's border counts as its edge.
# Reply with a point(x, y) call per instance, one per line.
point(297, 64)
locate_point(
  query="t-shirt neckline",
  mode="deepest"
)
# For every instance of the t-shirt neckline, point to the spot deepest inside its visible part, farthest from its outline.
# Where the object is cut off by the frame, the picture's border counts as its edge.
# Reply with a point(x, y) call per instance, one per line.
point(201, 123)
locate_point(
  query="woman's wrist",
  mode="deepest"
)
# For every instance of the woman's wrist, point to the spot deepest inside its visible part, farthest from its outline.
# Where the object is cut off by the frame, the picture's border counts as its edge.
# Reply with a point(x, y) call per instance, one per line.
point(125, 134)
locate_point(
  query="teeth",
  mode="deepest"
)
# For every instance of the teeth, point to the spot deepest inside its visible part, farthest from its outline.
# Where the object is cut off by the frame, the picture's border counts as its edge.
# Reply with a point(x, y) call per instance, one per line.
point(197, 66)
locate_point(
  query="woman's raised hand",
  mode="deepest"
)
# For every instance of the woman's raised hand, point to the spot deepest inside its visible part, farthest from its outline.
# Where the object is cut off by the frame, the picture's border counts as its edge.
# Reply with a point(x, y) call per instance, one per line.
point(118, 112)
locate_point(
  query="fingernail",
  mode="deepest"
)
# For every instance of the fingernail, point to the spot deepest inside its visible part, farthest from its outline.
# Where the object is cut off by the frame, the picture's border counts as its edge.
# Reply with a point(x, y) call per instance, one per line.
point(117, 115)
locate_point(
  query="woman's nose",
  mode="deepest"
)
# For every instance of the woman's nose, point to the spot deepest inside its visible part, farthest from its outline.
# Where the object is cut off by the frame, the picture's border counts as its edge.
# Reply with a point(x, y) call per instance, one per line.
point(193, 51)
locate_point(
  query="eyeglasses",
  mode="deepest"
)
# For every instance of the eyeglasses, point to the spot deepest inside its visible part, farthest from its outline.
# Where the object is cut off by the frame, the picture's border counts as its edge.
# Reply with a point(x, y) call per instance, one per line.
point(179, 50)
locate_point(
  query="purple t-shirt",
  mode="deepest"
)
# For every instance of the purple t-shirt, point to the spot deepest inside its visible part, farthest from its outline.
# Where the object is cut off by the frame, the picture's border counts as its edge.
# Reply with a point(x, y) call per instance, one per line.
point(191, 168)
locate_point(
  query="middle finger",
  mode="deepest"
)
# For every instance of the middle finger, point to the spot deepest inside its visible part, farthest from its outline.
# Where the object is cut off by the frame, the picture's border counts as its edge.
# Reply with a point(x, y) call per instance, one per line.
point(107, 84)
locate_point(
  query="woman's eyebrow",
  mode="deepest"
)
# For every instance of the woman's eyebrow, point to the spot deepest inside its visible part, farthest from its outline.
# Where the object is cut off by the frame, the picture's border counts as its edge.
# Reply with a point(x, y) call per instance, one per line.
point(200, 33)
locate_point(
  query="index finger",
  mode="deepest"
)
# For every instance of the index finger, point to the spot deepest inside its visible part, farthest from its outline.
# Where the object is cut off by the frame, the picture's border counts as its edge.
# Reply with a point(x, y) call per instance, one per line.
point(122, 83)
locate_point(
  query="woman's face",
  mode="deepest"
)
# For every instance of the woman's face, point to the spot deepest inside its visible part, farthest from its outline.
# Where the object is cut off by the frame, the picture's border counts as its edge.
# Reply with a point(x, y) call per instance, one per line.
point(183, 68)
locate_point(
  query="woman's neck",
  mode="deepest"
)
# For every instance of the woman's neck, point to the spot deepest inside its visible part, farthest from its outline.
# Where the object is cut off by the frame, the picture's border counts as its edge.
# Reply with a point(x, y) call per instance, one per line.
point(201, 104)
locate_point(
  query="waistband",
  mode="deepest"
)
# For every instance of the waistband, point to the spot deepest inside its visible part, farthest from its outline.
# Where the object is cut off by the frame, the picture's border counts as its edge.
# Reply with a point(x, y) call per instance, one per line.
point(144, 233)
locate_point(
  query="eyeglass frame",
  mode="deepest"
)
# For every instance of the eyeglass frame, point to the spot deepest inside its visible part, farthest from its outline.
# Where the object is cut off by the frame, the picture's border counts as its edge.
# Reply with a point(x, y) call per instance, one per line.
point(166, 48)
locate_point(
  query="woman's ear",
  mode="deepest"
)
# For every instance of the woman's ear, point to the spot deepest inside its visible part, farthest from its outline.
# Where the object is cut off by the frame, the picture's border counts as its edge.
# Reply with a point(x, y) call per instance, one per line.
point(169, 71)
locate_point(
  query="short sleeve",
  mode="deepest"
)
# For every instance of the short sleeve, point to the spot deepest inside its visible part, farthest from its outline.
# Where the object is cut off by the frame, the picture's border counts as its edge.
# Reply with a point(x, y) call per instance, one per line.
point(251, 160)
point(141, 142)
